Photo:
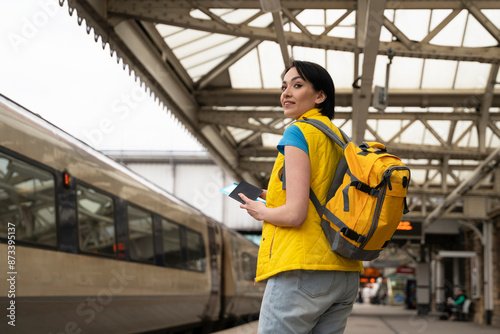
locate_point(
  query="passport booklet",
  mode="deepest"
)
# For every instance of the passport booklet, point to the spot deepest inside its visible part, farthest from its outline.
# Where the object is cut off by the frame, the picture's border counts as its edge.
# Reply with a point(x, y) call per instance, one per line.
point(247, 189)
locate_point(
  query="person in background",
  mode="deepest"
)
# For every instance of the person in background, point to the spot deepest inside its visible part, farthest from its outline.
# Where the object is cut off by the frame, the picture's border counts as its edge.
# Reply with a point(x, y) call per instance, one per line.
point(310, 289)
point(455, 305)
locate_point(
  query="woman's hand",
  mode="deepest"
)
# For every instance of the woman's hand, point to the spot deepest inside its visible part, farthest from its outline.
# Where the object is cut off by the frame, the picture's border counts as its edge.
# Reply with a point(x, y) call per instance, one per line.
point(264, 194)
point(254, 208)
point(294, 212)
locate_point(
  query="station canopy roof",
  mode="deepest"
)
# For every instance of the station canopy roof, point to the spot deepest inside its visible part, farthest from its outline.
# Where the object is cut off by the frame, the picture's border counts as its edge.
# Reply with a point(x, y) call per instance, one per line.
point(217, 66)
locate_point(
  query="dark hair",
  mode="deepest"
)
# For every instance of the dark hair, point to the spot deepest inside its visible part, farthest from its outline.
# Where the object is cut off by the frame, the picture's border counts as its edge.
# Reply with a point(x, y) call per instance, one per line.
point(321, 80)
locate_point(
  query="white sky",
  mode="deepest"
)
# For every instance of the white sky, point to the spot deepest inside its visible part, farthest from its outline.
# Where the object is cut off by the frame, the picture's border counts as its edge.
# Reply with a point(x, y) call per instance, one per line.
point(50, 65)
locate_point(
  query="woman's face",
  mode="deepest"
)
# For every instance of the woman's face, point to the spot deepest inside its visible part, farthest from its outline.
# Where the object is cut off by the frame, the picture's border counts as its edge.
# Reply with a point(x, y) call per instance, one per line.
point(298, 95)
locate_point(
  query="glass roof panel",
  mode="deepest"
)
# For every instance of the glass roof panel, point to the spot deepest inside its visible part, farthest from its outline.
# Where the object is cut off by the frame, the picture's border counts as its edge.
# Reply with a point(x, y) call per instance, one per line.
point(166, 30)
point(413, 134)
point(244, 73)
point(349, 21)
point(198, 70)
point(210, 43)
point(346, 127)
point(463, 136)
point(290, 26)
point(198, 14)
point(385, 35)
point(332, 15)
point(270, 140)
point(183, 37)
point(313, 20)
point(346, 28)
point(389, 13)
point(442, 128)
point(262, 21)
point(239, 16)
point(271, 64)
point(476, 35)
point(222, 49)
point(413, 23)
point(343, 32)
point(452, 34)
point(380, 70)
point(405, 73)
point(391, 128)
point(438, 73)
point(341, 67)
point(238, 133)
point(493, 15)
point(309, 54)
point(428, 137)
point(492, 140)
point(437, 16)
point(472, 75)
point(199, 51)
point(220, 12)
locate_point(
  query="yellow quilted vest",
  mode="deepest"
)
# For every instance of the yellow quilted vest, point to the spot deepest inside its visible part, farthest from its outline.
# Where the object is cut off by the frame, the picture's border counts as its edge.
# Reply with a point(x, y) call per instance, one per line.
point(304, 247)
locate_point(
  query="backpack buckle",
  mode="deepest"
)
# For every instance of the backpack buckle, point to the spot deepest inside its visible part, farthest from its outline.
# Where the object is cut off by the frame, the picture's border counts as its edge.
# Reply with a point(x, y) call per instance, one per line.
point(365, 188)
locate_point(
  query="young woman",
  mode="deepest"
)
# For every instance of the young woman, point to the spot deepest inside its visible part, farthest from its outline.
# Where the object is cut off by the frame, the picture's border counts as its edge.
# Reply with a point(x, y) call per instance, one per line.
point(310, 289)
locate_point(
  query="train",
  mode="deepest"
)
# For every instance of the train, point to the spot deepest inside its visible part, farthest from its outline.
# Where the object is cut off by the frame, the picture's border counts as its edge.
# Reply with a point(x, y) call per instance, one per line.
point(88, 246)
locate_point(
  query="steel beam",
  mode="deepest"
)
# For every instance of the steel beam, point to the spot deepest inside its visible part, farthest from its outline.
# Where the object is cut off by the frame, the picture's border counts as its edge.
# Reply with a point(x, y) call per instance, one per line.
point(167, 16)
point(455, 98)
point(281, 38)
point(490, 163)
point(226, 63)
point(485, 107)
point(410, 45)
point(373, 15)
point(441, 26)
point(306, 4)
point(167, 54)
point(482, 19)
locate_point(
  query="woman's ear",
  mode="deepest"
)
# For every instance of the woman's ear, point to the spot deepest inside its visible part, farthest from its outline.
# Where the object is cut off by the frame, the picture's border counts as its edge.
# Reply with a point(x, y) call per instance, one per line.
point(320, 98)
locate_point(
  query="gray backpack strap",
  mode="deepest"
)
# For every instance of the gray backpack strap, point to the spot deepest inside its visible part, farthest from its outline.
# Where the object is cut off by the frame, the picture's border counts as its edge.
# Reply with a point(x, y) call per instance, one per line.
point(341, 167)
point(329, 132)
point(338, 178)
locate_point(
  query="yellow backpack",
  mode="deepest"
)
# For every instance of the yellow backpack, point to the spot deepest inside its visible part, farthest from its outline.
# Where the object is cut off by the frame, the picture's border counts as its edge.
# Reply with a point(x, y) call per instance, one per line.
point(366, 200)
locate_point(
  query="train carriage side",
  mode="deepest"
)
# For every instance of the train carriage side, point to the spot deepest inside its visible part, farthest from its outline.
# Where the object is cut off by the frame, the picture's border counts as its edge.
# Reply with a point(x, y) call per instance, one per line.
point(241, 295)
point(97, 248)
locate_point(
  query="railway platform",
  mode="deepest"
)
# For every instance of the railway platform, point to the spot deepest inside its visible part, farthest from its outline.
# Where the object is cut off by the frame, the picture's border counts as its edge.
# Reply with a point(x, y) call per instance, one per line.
point(379, 319)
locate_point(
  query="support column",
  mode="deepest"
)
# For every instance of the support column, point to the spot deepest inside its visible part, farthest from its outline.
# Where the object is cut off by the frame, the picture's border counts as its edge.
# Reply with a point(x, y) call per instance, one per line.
point(423, 291)
point(456, 275)
point(369, 21)
point(440, 295)
point(488, 271)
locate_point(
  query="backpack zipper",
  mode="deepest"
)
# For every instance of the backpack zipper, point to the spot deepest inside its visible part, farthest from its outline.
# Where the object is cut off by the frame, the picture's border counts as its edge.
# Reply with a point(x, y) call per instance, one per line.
point(386, 181)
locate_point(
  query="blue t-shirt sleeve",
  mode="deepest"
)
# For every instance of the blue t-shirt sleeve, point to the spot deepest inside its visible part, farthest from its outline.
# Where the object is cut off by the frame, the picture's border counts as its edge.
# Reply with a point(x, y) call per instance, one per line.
point(293, 137)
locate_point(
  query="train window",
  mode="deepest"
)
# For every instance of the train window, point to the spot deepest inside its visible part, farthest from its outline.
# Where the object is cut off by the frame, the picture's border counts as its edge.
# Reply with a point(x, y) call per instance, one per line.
point(140, 233)
point(96, 224)
point(172, 250)
point(196, 259)
point(28, 201)
point(249, 263)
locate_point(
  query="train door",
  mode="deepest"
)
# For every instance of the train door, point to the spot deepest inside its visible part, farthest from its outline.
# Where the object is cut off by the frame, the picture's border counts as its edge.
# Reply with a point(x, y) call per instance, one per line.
point(214, 246)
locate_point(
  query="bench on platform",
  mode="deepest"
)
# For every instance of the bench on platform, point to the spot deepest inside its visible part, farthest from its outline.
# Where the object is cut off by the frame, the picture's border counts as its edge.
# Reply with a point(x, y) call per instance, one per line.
point(462, 314)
